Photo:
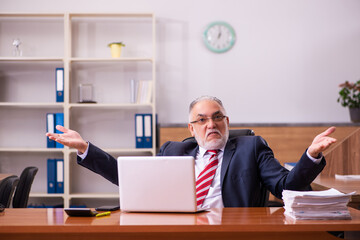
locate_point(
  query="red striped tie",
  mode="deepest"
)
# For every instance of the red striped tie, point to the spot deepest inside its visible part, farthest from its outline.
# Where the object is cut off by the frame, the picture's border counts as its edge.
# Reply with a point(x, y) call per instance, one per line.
point(205, 178)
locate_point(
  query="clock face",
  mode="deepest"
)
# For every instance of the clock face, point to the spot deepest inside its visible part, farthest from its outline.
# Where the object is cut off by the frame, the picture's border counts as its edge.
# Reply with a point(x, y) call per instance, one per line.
point(219, 37)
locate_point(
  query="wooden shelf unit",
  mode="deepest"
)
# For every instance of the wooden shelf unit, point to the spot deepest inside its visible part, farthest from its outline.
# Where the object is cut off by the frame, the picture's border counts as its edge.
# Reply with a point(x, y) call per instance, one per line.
point(76, 42)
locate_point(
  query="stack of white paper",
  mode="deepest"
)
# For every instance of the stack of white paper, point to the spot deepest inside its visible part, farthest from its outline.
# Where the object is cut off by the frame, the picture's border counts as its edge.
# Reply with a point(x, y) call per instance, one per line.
point(328, 204)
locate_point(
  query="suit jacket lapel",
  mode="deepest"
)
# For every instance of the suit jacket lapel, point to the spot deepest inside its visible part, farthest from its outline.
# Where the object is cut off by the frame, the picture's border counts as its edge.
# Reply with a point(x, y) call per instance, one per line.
point(193, 152)
point(228, 153)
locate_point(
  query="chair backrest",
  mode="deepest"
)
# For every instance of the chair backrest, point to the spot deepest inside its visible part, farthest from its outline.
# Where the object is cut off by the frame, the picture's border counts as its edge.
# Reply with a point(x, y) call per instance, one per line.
point(23, 188)
point(232, 133)
point(7, 187)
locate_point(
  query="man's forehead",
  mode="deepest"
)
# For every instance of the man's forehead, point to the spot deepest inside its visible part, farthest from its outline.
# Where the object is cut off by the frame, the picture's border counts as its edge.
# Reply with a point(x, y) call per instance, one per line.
point(207, 114)
point(207, 108)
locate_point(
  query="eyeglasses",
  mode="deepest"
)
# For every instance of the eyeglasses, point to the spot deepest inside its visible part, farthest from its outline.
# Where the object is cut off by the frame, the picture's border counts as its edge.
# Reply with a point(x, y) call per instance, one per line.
point(203, 120)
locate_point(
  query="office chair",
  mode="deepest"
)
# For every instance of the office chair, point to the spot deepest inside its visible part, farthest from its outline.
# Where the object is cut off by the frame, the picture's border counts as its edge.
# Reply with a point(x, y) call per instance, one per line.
point(232, 133)
point(7, 188)
point(23, 188)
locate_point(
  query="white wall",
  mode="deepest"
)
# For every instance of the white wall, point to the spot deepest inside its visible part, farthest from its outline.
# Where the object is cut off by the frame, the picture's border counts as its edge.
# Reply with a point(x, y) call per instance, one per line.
point(289, 57)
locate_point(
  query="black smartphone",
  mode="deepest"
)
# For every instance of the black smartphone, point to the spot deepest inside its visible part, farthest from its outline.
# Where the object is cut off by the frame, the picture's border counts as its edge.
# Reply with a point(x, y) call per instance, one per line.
point(108, 208)
point(80, 212)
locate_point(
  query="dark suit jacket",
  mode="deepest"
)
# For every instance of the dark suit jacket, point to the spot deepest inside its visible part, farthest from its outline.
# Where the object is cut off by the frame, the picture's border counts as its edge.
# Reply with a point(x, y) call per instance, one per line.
point(248, 165)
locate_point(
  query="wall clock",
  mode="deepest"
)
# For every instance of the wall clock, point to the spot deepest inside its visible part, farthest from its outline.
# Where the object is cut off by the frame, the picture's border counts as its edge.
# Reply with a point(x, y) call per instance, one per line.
point(219, 37)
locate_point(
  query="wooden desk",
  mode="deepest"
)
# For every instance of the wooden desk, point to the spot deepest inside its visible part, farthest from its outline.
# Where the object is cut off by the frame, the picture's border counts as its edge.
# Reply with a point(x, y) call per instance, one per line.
point(227, 223)
point(345, 186)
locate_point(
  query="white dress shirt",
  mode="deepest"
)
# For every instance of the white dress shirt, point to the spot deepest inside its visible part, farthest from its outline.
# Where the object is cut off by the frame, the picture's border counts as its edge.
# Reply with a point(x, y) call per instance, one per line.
point(213, 199)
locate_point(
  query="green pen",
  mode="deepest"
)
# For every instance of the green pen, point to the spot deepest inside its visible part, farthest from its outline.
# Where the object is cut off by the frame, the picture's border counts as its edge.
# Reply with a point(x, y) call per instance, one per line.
point(103, 214)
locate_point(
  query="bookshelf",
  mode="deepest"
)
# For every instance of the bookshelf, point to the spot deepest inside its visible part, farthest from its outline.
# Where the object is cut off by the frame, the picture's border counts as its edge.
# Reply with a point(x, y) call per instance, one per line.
point(76, 42)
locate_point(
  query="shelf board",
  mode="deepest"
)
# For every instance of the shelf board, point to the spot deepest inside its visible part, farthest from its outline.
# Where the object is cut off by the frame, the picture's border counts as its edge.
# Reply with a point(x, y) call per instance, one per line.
point(31, 105)
point(31, 15)
point(121, 59)
point(123, 150)
point(109, 105)
point(111, 15)
point(31, 59)
point(94, 195)
point(47, 195)
point(86, 15)
point(33, 150)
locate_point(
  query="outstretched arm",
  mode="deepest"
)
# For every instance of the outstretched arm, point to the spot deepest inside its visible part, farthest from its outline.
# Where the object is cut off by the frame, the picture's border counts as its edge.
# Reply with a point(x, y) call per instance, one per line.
point(69, 138)
point(321, 142)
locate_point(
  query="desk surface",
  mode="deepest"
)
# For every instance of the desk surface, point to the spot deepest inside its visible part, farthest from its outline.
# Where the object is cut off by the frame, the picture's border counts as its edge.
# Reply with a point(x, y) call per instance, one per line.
point(345, 186)
point(216, 224)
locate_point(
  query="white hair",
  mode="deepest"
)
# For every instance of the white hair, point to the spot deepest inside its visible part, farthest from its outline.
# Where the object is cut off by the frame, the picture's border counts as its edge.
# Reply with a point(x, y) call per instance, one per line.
point(205, 98)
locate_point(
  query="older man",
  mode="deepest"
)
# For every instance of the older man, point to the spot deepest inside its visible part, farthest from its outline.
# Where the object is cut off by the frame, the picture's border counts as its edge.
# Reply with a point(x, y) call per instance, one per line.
point(232, 172)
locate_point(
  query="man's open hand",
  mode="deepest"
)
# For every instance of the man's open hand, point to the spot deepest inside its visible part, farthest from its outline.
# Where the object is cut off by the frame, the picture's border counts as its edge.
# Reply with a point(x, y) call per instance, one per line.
point(69, 138)
point(321, 142)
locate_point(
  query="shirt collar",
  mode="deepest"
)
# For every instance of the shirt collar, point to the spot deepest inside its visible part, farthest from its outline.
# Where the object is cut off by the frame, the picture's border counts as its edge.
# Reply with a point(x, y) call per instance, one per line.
point(202, 150)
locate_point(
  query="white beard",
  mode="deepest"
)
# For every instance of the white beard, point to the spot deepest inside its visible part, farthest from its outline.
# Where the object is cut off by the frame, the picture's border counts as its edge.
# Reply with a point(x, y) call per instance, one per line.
point(215, 143)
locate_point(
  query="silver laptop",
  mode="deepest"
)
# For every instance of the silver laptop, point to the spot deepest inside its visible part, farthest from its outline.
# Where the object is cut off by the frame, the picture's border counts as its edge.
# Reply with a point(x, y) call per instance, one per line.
point(157, 184)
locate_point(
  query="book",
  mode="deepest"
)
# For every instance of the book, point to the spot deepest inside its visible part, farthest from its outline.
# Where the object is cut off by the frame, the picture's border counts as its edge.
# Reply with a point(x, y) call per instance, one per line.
point(59, 79)
point(53, 119)
point(50, 127)
point(55, 175)
point(139, 132)
point(144, 92)
point(59, 120)
point(148, 133)
point(133, 91)
point(316, 205)
point(143, 130)
point(59, 176)
point(51, 176)
point(289, 165)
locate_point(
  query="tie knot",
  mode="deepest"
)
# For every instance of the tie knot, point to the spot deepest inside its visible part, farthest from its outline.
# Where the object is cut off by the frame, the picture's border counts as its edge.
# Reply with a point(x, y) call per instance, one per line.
point(213, 152)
